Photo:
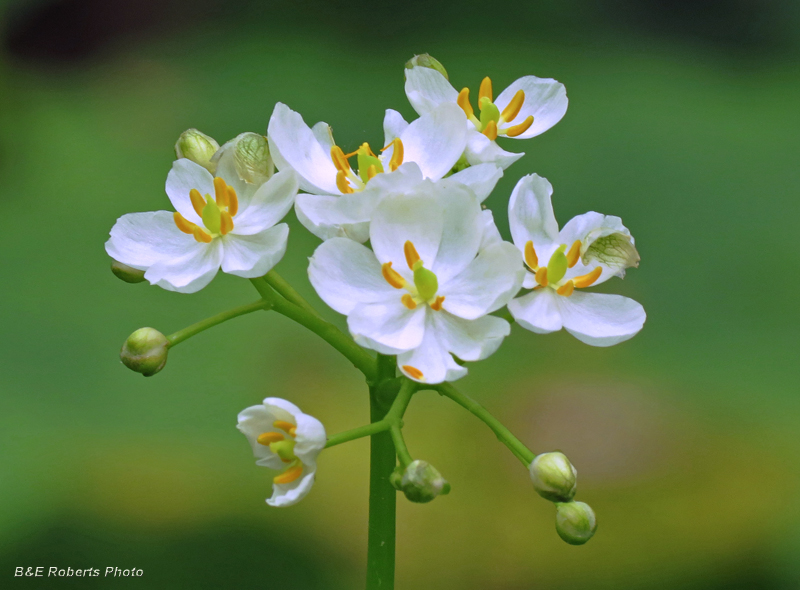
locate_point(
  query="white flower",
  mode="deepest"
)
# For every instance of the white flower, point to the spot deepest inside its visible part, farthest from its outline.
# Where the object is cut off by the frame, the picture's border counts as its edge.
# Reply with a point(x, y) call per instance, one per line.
point(427, 148)
point(182, 251)
point(285, 439)
point(590, 249)
point(436, 269)
point(527, 108)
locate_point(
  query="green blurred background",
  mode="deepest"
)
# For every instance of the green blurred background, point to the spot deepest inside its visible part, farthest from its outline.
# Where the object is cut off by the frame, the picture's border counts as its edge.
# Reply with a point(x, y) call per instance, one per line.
point(683, 120)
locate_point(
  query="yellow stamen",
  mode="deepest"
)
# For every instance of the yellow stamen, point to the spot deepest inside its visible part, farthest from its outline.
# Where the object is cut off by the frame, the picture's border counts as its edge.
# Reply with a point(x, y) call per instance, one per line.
point(530, 256)
point(372, 172)
point(491, 130)
point(198, 202)
point(283, 425)
point(574, 253)
point(339, 159)
point(397, 155)
point(342, 184)
point(220, 191)
point(463, 102)
point(289, 475)
point(269, 437)
point(521, 128)
point(411, 254)
point(201, 235)
point(408, 301)
point(233, 201)
point(392, 277)
point(437, 305)
point(566, 289)
point(512, 109)
point(541, 276)
point(183, 224)
point(485, 89)
point(225, 222)
point(413, 371)
point(587, 279)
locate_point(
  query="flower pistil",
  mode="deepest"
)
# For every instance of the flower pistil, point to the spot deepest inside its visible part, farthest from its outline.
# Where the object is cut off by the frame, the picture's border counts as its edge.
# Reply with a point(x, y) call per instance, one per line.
point(283, 447)
point(553, 274)
point(492, 122)
point(217, 213)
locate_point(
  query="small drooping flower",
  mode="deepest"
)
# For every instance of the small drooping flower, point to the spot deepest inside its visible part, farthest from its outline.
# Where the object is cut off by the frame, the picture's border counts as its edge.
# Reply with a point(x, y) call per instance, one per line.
point(590, 249)
point(285, 439)
point(437, 268)
point(527, 108)
point(427, 148)
point(235, 229)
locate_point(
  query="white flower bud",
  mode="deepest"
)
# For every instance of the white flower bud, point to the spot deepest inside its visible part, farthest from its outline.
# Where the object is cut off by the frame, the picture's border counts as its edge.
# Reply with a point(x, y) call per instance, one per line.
point(197, 147)
point(247, 154)
point(575, 522)
point(426, 61)
point(127, 273)
point(421, 482)
point(554, 477)
point(145, 351)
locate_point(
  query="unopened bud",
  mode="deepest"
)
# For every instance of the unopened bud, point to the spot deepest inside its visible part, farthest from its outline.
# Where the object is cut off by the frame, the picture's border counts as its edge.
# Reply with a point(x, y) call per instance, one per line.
point(554, 477)
point(575, 522)
point(426, 61)
point(396, 478)
point(127, 273)
point(198, 147)
point(248, 155)
point(421, 482)
point(145, 351)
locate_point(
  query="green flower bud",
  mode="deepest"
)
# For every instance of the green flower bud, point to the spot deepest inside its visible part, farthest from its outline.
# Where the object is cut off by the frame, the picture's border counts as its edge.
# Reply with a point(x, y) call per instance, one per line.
point(396, 478)
point(247, 154)
point(127, 273)
point(426, 61)
point(197, 147)
point(575, 522)
point(421, 482)
point(554, 477)
point(145, 351)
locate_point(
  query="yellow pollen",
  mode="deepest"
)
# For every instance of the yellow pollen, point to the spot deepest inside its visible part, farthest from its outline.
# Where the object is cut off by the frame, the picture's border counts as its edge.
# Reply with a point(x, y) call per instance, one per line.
point(530, 256)
point(198, 202)
point(269, 437)
point(485, 89)
point(512, 109)
point(463, 102)
point(200, 235)
point(574, 253)
point(289, 475)
point(521, 128)
point(340, 160)
point(392, 276)
point(566, 289)
point(413, 371)
point(183, 224)
point(541, 276)
point(283, 425)
point(372, 172)
point(437, 304)
point(411, 254)
point(233, 201)
point(225, 222)
point(408, 301)
point(220, 192)
point(397, 155)
point(342, 184)
point(491, 130)
point(587, 279)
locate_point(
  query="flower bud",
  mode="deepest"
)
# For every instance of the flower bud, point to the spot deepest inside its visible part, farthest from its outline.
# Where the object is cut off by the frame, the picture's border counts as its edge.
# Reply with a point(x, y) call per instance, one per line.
point(554, 477)
point(145, 351)
point(426, 61)
point(421, 482)
point(197, 147)
point(396, 478)
point(248, 154)
point(127, 273)
point(575, 522)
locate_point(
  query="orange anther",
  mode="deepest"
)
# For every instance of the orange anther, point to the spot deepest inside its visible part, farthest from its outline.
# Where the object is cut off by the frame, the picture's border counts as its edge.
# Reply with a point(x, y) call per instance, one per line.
point(587, 279)
point(339, 159)
point(412, 257)
point(574, 253)
point(512, 108)
point(372, 172)
point(198, 202)
point(397, 155)
point(233, 201)
point(408, 301)
point(566, 289)
point(225, 222)
point(521, 128)
point(530, 256)
point(185, 226)
point(485, 90)
point(414, 372)
point(201, 235)
point(392, 276)
point(269, 437)
point(289, 475)
point(463, 102)
point(342, 184)
point(220, 192)
point(541, 276)
point(491, 130)
point(283, 425)
point(437, 304)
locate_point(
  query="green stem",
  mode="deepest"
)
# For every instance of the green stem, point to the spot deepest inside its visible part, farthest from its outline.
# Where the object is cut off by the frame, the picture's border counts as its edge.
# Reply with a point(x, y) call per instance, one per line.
point(181, 335)
point(520, 451)
point(360, 432)
point(325, 330)
point(400, 445)
point(288, 292)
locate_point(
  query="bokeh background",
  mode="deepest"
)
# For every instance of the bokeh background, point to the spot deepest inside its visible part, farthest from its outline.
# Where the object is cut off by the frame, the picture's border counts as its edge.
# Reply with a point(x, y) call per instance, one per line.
point(683, 120)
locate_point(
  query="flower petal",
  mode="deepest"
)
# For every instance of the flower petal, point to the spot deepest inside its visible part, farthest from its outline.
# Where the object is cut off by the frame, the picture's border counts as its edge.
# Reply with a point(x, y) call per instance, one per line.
point(531, 217)
point(545, 99)
point(252, 256)
point(184, 176)
point(482, 150)
point(600, 319)
point(142, 239)
point(481, 179)
point(310, 435)
point(426, 89)
point(326, 217)
point(387, 327)
point(270, 203)
point(189, 273)
point(462, 231)
point(430, 359)
point(253, 422)
point(491, 235)
point(393, 125)
point(293, 144)
point(324, 134)
point(471, 340)
point(487, 284)
point(537, 311)
point(345, 274)
point(436, 140)
point(287, 494)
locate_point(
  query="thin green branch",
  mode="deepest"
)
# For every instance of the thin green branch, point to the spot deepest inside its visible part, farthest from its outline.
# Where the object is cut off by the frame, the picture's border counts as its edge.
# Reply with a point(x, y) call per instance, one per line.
point(288, 292)
point(188, 332)
point(400, 446)
point(356, 433)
